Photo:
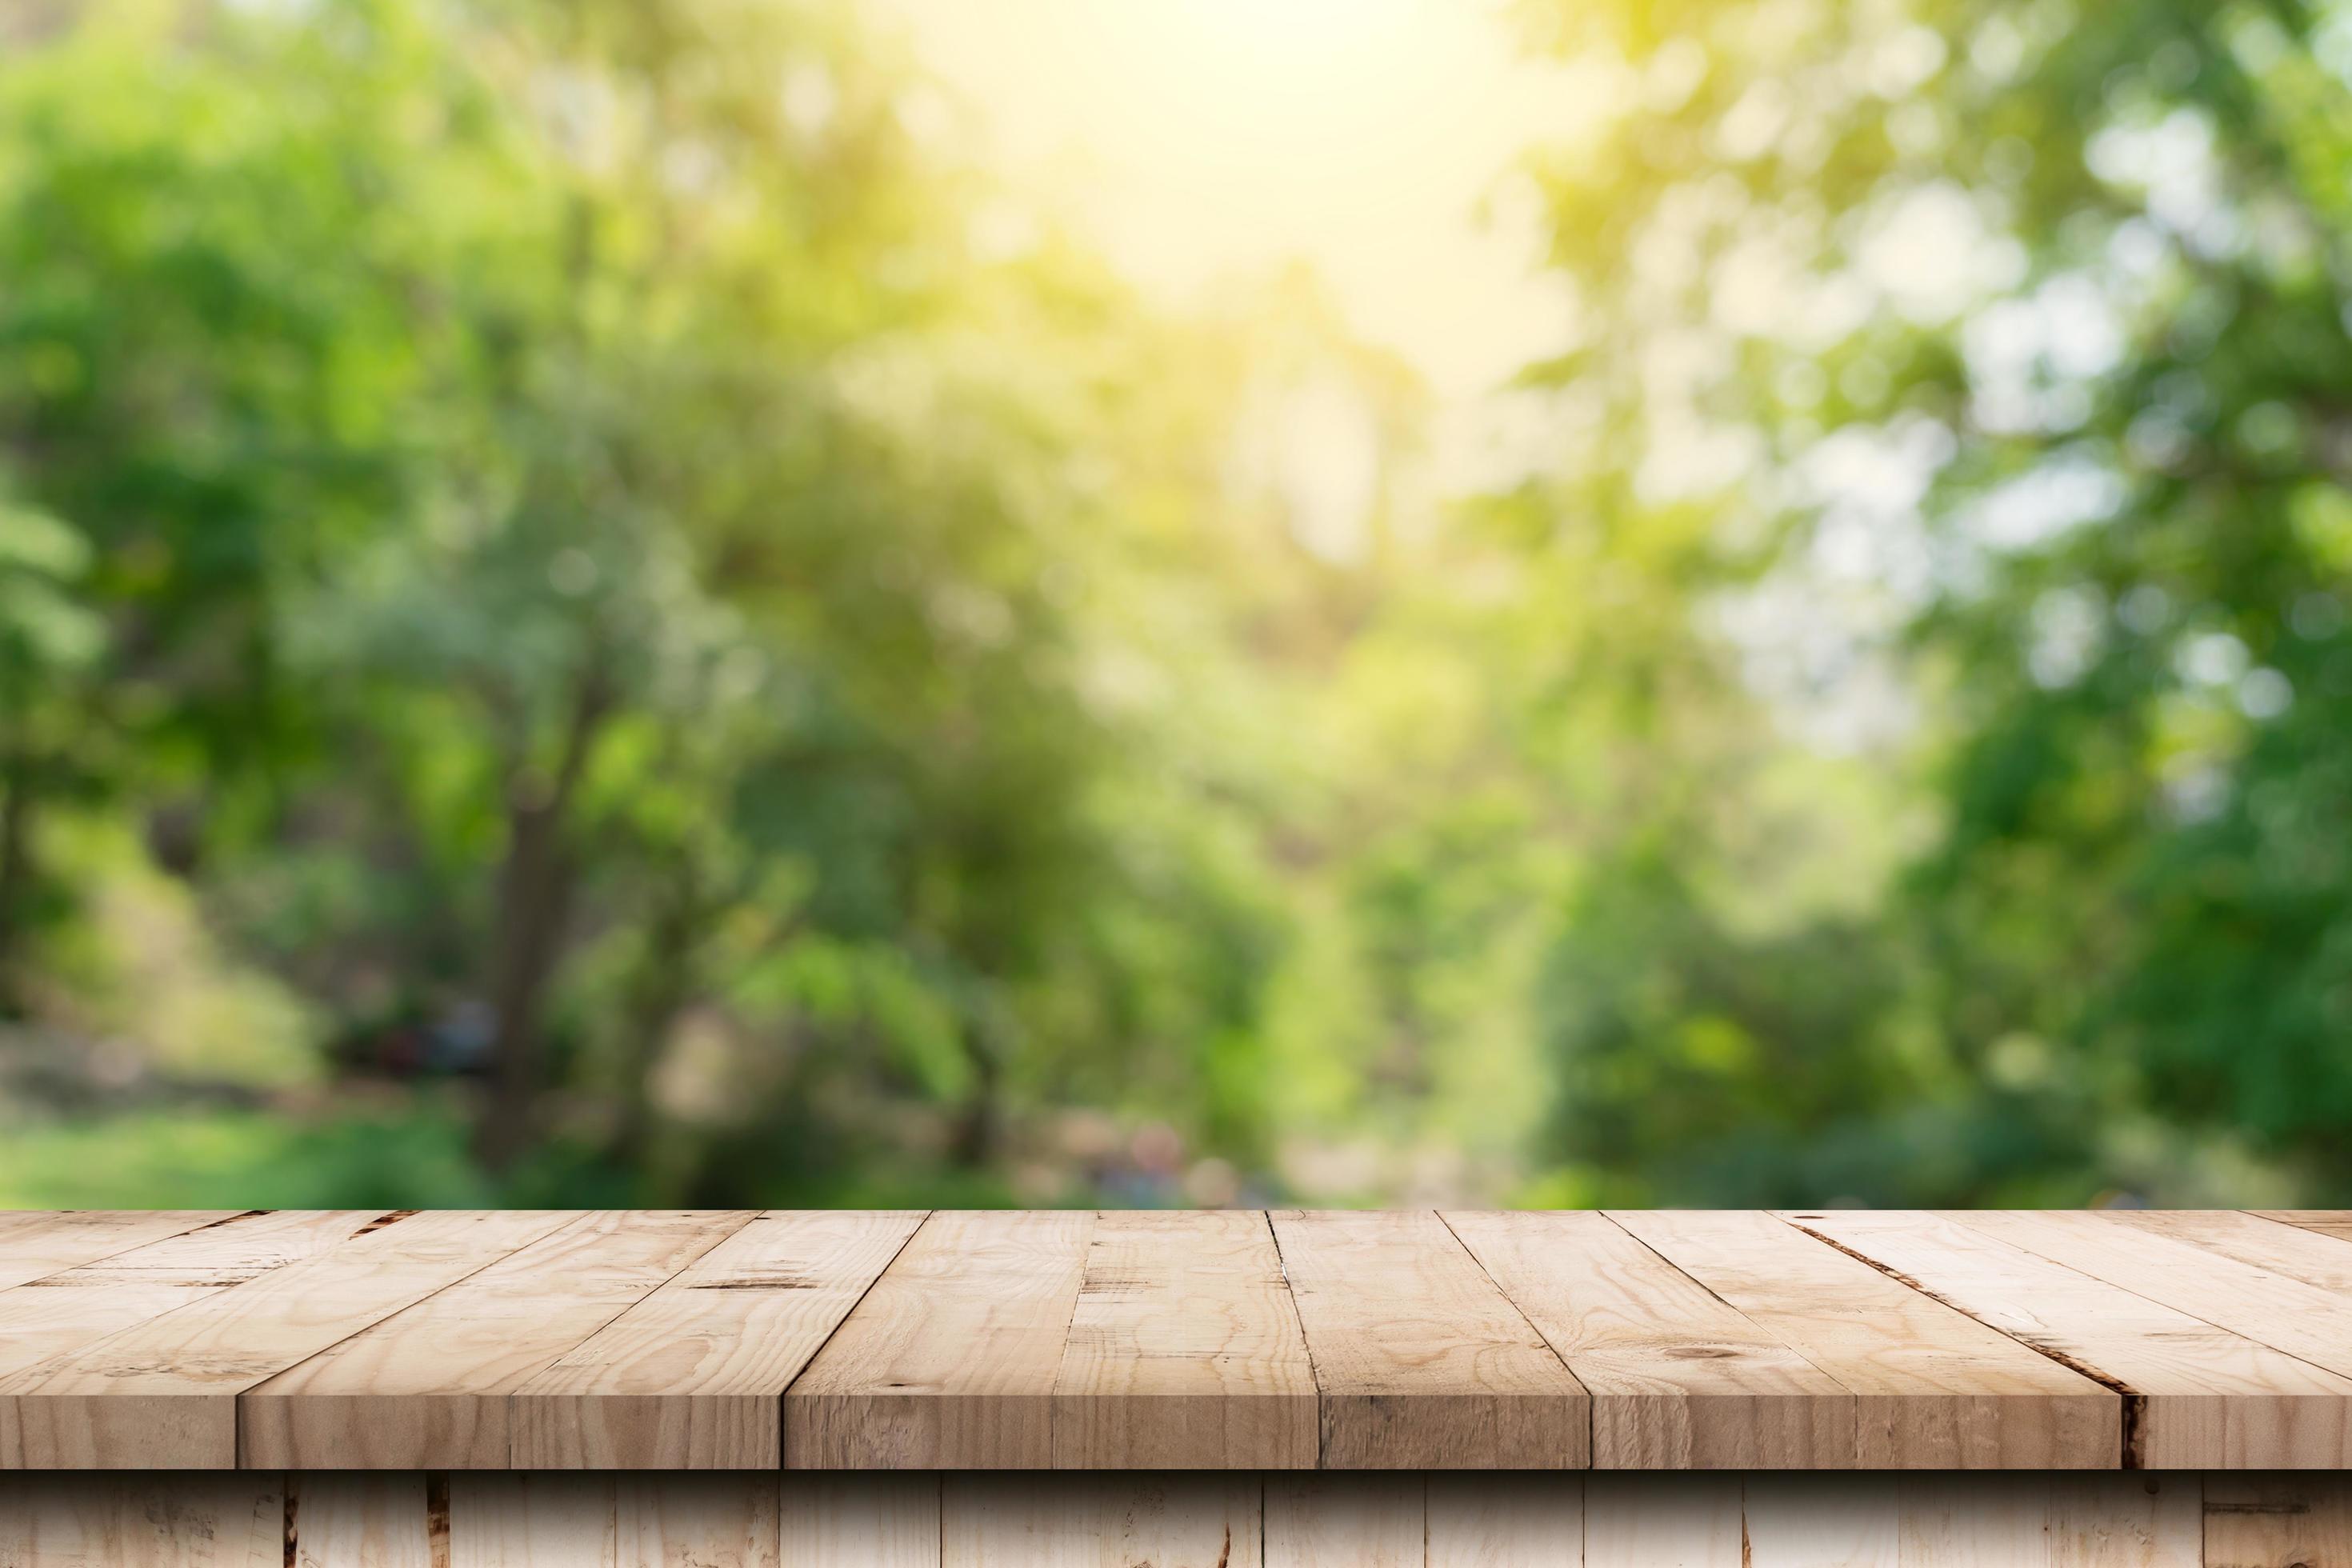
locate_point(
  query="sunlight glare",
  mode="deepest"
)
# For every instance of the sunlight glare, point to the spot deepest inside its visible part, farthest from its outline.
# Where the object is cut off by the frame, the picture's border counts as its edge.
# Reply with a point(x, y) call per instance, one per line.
point(1200, 140)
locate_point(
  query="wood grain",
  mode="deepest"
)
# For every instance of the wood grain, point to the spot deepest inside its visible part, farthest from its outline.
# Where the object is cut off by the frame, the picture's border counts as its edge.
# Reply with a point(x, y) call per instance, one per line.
point(690, 1377)
point(2201, 1396)
point(1234, 1342)
point(429, 1388)
point(1934, 1389)
point(1976, 1521)
point(950, 1361)
point(875, 1520)
point(1504, 1522)
point(504, 1521)
point(695, 1522)
point(2336, 1223)
point(60, 1312)
point(2278, 1521)
point(2310, 1255)
point(1421, 1362)
point(141, 1522)
point(162, 1394)
point(1099, 1521)
point(1184, 1351)
point(1610, 1520)
point(359, 1521)
point(2260, 1304)
point(1679, 1378)
point(1344, 1521)
point(2144, 1521)
point(34, 1245)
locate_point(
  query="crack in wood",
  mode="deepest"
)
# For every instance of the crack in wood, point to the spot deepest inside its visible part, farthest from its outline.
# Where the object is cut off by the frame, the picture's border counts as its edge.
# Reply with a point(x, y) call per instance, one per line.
point(2135, 1404)
point(393, 1216)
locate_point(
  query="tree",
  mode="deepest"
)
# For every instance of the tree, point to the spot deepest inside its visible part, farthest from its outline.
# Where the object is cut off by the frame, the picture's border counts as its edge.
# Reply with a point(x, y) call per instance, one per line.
point(2040, 313)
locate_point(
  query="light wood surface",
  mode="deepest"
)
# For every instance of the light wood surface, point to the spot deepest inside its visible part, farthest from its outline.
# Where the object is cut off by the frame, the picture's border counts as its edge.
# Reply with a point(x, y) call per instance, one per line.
point(2310, 1256)
point(2276, 1308)
point(529, 1521)
point(1604, 1520)
point(346, 1520)
point(1679, 1378)
point(429, 1388)
point(1934, 1389)
point(142, 1522)
point(2336, 1223)
point(951, 1359)
point(1812, 1521)
point(690, 1377)
point(1815, 1340)
point(1100, 1521)
point(1432, 1366)
point(2053, 1520)
point(1504, 1522)
point(36, 1246)
point(1648, 1521)
point(163, 1392)
point(1345, 1522)
point(59, 1312)
point(873, 1518)
point(1184, 1351)
point(696, 1521)
point(2278, 1521)
point(2200, 1396)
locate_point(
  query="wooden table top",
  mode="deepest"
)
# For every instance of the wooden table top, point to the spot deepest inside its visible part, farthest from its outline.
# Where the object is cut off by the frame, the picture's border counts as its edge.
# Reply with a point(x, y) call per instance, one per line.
point(1804, 1339)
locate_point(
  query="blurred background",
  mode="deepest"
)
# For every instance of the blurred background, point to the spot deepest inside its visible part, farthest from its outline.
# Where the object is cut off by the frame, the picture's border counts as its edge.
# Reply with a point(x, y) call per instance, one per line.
point(781, 602)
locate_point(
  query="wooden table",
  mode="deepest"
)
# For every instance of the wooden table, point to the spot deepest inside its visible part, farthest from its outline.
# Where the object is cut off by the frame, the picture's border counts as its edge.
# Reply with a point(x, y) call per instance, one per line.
point(1221, 1388)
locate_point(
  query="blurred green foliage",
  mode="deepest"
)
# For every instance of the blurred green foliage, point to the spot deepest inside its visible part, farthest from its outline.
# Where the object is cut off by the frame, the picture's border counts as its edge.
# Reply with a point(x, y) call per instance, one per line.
point(569, 634)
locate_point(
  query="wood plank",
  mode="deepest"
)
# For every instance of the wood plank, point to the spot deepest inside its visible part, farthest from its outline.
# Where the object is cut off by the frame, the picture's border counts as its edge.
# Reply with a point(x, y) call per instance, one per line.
point(358, 1521)
point(1099, 1521)
point(695, 1521)
point(427, 1388)
point(2309, 1255)
point(2143, 1520)
point(951, 1359)
point(1421, 1362)
point(1934, 1389)
point(1976, 1521)
point(142, 1522)
point(690, 1377)
point(1184, 1351)
point(506, 1521)
point(875, 1520)
point(2201, 1397)
point(1488, 1521)
point(2260, 1304)
point(1654, 1520)
point(1822, 1521)
point(1344, 1521)
point(1679, 1378)
point(162, 1394)
point(2336, 1223)
point(39, 1245)
point(60, 1312)
point(2278, 1521)
point(1917, 1519)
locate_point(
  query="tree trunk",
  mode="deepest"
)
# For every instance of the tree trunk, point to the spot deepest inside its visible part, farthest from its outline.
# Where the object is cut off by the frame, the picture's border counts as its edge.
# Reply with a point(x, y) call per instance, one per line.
point(534, 900)
point(662, 984)
point(15, 877)
point(979, 1127)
